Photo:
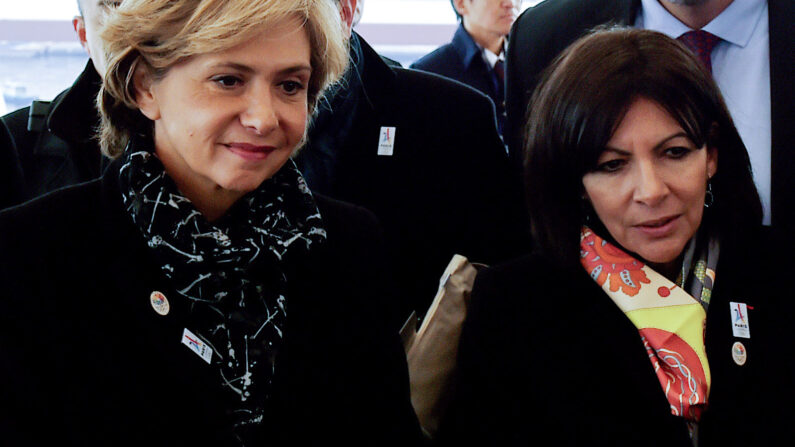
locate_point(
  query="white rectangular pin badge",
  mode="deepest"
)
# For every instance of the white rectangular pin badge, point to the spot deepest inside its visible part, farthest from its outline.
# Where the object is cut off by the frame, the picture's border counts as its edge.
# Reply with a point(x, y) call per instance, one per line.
point(196, 345)
point(386, 141)
point(739, 315)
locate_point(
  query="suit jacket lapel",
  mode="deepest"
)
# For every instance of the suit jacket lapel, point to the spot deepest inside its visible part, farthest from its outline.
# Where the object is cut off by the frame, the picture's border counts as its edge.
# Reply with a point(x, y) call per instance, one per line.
point(476, 69)
point(782, 95)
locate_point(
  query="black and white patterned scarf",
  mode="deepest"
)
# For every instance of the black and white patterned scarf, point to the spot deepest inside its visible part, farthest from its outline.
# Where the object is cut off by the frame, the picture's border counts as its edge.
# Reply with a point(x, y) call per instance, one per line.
point(230, 271)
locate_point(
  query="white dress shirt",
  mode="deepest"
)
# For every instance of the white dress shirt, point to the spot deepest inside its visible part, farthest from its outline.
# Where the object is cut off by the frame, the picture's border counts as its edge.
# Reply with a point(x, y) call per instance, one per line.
point(491, 58)
point(741, 68)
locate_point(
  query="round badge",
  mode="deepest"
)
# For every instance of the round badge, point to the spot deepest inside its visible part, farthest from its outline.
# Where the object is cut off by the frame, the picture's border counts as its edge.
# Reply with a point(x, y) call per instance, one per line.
point(739, 354)
point(159, 303)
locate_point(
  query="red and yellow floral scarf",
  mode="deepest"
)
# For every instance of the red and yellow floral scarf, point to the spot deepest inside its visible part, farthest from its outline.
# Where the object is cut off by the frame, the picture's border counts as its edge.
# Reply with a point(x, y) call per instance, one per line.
point(670, 320)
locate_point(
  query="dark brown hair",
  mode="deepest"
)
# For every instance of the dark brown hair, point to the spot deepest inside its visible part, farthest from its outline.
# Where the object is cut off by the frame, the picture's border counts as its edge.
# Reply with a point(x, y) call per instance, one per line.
point(582, 98)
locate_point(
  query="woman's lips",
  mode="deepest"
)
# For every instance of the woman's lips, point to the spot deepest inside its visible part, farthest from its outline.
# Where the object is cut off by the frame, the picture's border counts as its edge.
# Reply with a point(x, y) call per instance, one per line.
point(250, 151)
point(658, 227)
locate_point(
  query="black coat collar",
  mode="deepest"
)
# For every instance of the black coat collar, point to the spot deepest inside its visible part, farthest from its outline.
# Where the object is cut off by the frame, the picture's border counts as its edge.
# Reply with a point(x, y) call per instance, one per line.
point(376, 76)
point(74, 116)
point(465, 46)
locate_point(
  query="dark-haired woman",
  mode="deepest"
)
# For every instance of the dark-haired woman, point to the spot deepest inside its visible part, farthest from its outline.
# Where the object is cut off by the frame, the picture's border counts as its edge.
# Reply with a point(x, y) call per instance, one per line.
point(651, 312)
point(198, 294)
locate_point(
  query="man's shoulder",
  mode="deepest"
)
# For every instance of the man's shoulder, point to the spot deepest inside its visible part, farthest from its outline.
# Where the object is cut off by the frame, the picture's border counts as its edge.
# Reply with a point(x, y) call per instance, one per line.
point(16, 121)
point(443, 60)
point(436, 88)
point(25, 124)
point(553, 8)
point(443, 114)
point(16, 114)
point(553, 17)
point(396, 90)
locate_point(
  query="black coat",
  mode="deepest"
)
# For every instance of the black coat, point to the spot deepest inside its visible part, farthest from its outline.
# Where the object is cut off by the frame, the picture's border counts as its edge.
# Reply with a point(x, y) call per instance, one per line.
point(547, 358)
point(85, 360)
point(542, 32)
point(446, 189)
point(55, 149)
point(462, 60)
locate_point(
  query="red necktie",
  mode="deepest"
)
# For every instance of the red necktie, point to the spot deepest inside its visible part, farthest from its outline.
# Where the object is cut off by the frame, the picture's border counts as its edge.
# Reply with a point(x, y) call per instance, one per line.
point(499, 70)
point(701, 43)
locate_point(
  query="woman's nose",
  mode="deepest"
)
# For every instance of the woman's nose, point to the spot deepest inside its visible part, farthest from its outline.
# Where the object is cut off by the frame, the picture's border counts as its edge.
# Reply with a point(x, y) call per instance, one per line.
point(259, 115)
point(650, 187)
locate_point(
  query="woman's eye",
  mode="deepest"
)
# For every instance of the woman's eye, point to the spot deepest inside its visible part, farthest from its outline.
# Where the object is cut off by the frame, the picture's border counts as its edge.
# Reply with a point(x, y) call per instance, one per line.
point(292, 87)
point(677, 151)
point(227, 81)
point(610, 166)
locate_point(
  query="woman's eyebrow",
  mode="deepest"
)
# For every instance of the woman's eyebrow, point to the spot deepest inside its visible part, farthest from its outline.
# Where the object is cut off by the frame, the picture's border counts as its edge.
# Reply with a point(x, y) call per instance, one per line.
point(296, 68)
point(232, 66)
point(656, 146)
point(676, 135)
point(617, 151)
point(247, 69)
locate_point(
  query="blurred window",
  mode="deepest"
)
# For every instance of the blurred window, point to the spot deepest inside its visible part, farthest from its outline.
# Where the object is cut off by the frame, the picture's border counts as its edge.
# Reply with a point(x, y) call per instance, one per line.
point(39, 52)
point(40, 55)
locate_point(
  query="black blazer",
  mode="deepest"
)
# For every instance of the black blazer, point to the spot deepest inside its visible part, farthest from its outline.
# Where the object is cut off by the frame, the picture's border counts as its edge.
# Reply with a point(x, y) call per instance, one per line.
point(546, 358)
point(84, 359)
point(462, 60)
point(542, 32)
point(446, 189)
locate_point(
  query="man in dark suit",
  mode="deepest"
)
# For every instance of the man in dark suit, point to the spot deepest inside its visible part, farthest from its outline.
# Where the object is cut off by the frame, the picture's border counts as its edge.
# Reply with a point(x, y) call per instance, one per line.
point(476, 55)
point(752, 64)
point(50, 144)
point(423, 153)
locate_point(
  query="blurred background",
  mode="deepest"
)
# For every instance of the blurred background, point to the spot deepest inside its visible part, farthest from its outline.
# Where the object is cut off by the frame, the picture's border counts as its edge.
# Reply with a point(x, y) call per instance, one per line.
point(40, 54)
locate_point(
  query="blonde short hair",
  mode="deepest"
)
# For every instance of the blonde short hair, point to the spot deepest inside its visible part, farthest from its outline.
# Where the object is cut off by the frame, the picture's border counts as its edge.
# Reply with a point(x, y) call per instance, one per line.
point(161, 33)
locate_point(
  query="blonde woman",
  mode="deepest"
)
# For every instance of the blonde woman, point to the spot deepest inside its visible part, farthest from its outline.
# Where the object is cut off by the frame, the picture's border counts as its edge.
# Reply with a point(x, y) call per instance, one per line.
point(198, 293)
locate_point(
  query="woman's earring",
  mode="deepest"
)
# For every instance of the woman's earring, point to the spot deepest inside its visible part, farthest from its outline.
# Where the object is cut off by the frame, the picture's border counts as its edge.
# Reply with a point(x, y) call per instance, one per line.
point(709, 198)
